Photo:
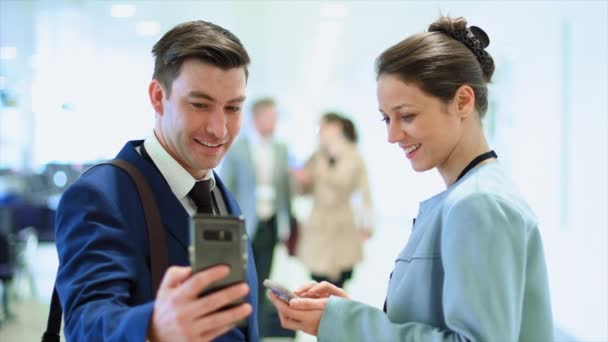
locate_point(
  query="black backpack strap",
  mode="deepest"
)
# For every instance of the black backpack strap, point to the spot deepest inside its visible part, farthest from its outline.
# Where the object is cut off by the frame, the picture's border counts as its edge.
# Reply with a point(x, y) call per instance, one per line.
point(159, 261)
point(53, 324)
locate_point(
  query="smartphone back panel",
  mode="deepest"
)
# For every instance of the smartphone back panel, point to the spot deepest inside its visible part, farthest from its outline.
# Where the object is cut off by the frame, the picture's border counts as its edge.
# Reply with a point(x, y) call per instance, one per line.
point(216, 240)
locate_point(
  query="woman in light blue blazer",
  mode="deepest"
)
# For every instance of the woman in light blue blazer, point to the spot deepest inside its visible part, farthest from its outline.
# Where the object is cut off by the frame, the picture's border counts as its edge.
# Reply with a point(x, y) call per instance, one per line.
point(473, 268)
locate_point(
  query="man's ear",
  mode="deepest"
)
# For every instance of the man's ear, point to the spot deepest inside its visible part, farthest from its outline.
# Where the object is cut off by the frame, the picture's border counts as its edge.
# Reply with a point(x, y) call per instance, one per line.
point(157, 96)
point(464, 101)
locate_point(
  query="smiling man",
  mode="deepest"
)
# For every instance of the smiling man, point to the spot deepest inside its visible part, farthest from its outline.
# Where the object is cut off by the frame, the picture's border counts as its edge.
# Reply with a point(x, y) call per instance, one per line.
point(104, 278)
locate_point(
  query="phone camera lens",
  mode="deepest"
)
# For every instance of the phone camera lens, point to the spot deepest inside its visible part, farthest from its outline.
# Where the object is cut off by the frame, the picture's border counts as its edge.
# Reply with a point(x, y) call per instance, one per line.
point(217, 235)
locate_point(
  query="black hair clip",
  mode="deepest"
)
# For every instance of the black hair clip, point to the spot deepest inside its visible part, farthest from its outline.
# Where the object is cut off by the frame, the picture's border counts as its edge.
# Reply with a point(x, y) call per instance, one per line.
point(481, 35)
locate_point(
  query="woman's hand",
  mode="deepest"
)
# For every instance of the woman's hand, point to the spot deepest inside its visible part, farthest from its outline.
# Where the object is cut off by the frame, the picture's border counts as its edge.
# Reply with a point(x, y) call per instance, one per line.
point(301, 313)
point(320, 290)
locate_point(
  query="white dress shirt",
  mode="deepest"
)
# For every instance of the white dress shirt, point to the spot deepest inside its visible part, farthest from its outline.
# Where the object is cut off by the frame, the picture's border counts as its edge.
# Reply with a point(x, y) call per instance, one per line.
point(180, 181)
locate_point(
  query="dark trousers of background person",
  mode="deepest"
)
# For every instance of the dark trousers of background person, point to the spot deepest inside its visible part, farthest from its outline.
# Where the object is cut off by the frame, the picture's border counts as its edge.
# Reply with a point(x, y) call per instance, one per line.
point(263, 245)
point(344, 276)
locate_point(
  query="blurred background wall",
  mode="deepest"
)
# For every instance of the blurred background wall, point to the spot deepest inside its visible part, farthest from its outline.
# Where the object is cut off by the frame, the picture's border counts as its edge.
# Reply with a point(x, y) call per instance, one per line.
point(74, 77)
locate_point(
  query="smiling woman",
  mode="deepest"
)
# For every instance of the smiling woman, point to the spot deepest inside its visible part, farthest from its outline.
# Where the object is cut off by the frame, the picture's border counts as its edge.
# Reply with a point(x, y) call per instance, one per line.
point(474, 267)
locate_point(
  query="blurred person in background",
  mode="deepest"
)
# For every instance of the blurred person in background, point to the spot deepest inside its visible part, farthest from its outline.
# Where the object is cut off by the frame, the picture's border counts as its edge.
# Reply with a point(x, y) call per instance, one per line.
point(256, 170)
point(331, 241)
point(474, 267)
point(104, 277)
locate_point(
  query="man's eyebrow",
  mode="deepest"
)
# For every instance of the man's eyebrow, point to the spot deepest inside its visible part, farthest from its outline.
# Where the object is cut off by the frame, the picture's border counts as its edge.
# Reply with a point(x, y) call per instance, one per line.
point(203, 95)
point(238, 99)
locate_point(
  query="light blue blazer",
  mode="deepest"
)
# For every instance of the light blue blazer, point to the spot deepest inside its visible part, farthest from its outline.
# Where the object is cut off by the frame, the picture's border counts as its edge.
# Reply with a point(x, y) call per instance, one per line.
point(472, 270)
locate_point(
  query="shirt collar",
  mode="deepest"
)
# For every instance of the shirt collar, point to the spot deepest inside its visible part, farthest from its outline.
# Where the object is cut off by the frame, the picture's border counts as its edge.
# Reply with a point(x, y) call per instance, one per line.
point(180, 181)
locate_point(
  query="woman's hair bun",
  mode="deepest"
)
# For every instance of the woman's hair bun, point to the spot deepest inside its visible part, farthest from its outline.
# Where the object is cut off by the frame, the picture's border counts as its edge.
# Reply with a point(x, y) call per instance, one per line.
point(472, 37)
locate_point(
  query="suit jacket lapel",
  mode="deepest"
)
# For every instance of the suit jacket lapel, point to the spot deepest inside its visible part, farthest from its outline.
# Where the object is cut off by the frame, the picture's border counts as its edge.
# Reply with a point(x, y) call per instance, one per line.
point(174, 216)
point(176, 220)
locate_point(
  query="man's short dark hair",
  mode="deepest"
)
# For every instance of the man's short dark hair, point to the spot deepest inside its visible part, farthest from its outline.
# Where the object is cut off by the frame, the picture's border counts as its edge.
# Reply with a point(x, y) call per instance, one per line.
point(198, 39)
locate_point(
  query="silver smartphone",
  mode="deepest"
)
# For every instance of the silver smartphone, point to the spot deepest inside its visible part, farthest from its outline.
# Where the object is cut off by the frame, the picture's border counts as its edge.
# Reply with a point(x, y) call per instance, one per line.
point(219, 240)
point(281, 291)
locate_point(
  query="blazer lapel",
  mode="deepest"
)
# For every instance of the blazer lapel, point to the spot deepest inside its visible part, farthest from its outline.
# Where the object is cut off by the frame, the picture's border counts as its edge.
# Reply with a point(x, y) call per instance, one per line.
point(176, 220)
point(173, 214)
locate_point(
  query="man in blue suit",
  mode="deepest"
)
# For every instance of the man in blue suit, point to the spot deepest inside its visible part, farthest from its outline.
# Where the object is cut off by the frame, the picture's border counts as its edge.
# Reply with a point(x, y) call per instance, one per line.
point(104, 280)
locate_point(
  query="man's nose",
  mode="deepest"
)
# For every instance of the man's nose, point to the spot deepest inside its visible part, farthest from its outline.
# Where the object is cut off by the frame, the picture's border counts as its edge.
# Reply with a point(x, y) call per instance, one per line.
point(216, 125)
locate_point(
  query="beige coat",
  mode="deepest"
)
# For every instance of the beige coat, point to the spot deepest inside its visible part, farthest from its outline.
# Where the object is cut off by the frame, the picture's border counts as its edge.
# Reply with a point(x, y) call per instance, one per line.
point(330, 240)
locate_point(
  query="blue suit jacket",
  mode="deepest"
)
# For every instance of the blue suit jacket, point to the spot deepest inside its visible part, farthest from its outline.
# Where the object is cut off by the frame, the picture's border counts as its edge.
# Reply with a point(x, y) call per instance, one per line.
point(104, 280)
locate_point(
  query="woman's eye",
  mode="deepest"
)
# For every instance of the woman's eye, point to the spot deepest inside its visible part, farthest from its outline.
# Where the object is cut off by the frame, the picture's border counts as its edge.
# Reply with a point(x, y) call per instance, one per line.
point(408, 117)
point(233, 108)
point(385, 119)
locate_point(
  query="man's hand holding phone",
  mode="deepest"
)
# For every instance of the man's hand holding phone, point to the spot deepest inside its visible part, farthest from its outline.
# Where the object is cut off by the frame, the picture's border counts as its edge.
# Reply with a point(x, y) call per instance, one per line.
point(206, 300)
point(181, 314)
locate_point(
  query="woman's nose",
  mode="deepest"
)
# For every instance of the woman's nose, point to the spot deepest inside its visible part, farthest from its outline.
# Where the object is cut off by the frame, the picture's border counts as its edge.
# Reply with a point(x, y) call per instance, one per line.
point(395, 133)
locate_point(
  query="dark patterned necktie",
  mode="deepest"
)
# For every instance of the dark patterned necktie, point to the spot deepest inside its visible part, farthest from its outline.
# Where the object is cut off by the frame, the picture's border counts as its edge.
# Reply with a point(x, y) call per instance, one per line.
point(201, 195)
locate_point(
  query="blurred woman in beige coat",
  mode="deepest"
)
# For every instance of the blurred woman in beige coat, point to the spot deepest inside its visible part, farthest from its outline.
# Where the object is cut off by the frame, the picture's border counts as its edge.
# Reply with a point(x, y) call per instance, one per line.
point(331, 241)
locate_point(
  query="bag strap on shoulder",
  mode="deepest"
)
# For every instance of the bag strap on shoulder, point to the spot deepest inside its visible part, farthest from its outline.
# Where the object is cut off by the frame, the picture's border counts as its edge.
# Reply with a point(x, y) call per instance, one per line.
point(156, 234)
point(156, 239)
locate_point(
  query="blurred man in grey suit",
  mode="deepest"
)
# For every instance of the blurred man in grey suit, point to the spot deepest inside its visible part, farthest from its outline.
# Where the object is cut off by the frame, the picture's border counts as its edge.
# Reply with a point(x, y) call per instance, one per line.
point(256, 170)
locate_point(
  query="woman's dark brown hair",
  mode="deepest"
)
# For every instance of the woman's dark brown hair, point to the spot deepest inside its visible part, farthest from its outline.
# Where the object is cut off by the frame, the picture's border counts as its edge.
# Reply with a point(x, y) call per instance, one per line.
point(348, 127)
point(441, 60)
point(198, 39)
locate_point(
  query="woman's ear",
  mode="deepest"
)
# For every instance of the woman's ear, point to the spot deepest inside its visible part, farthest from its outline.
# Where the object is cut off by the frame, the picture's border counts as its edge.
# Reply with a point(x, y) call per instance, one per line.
point(464, 101)
point(157, 96)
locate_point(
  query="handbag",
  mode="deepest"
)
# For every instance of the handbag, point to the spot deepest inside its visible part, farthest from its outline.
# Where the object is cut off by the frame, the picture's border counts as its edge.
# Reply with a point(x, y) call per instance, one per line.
point(156, 238)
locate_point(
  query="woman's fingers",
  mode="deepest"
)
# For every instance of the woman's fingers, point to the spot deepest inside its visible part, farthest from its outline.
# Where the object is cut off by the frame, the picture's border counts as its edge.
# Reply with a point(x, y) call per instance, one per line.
point(282, 309)
point(307, 304)
point(304, 288)
point(323, 290)
point(297, 319)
